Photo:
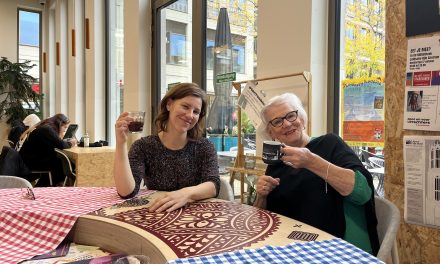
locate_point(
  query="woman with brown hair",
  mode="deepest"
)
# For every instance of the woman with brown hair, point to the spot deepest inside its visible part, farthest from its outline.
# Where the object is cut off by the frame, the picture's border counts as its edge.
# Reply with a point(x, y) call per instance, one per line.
point(38, 152)
point(177, 159)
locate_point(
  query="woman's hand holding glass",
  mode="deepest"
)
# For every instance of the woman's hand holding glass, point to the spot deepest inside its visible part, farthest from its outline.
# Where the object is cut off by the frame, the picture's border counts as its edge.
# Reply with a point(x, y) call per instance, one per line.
point(265, 184)
point(121, 127)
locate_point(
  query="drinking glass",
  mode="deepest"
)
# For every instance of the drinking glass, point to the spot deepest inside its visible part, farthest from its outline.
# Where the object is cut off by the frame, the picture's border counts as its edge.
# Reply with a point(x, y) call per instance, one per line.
point(137, 124)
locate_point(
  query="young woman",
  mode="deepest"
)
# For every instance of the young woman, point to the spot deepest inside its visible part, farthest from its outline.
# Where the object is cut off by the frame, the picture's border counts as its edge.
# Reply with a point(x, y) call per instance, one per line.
point(38, 152)
point(177, 159)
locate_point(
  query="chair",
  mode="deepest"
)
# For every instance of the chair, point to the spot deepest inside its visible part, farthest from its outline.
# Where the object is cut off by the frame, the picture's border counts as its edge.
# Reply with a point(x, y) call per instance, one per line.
point(49, 174)
point(388, 217)
point(10, 143)
point(226, 192)
point(70, 179)
point(376, 162)
point(7, 182)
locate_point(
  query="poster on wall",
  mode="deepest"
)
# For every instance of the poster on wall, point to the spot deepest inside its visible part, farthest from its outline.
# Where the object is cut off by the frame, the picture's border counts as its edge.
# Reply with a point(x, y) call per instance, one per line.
point(422, 180)
point(422, 85)
point(363, 112)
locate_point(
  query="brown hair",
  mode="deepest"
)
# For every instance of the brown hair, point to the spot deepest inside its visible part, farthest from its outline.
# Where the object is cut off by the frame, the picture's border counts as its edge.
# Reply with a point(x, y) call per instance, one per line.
point(55, 122)
point(180, 91)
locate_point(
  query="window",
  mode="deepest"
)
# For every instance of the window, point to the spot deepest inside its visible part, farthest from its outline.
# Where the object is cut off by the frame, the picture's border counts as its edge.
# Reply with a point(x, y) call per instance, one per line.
point(171, 57)
point(115, 10)
point(29, 42)
point(181, 6)
point(176, 43)
point(238, 53)
point(361, 88)
point(176, 40)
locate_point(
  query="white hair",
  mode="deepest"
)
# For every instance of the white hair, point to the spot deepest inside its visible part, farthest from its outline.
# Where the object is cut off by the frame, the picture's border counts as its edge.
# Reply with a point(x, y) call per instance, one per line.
point(286, 98)
point(31, 120)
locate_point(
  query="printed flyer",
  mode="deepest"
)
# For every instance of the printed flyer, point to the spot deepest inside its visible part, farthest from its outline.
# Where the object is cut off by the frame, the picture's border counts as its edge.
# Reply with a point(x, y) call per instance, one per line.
point(251, 103)
point(363, 112)
point(422, 85)
point(422, 180)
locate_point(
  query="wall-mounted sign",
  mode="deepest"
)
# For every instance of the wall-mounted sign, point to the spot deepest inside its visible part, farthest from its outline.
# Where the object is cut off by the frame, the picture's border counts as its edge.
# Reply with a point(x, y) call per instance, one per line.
point(226, 77)
point(170, 85)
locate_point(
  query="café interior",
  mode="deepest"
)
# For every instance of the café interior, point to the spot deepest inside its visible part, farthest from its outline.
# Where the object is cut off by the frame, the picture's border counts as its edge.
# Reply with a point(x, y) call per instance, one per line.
point(98, 58)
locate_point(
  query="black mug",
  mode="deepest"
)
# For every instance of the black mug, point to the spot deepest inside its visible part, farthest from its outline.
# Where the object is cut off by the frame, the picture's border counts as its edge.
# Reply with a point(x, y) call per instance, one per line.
point(272, 152)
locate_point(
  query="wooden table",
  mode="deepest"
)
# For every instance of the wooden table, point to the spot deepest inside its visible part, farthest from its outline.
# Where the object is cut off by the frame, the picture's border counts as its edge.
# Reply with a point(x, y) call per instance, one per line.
point(94, 166)
point(203, 228)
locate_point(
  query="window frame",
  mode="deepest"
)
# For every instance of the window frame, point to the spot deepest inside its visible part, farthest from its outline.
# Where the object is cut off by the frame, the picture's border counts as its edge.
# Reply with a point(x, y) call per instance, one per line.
point(40, 48)
point(198, 48)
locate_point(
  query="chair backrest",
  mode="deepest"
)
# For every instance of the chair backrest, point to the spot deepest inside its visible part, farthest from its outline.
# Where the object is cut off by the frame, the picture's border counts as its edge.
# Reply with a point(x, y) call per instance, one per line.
point(377, 162)
point(225, 192)
point(10, 143)
point(388, 217)
point(67, 167)
point(7, 182)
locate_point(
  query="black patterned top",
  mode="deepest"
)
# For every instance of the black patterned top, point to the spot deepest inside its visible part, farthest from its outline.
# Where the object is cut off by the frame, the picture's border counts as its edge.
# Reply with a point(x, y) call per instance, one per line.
point(169, 170)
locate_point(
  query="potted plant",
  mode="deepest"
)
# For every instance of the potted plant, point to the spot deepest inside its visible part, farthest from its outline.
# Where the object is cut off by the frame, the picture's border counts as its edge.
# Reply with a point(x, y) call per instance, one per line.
point(17, 99)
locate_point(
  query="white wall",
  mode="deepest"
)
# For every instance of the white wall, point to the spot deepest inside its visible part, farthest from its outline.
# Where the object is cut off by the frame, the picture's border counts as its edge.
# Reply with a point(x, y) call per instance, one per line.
point(294, 40)
point(137, 58)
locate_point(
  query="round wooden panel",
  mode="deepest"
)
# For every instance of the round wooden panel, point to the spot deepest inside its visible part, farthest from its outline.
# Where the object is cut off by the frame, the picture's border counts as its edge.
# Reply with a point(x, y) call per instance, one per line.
point(203, 228)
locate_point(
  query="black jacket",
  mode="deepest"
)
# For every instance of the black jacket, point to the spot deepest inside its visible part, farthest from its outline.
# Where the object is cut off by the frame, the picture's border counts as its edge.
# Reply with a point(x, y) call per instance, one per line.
point(11, 164)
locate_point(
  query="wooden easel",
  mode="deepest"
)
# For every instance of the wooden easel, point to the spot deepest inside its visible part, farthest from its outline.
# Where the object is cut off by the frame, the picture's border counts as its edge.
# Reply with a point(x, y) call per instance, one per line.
point(239, 161)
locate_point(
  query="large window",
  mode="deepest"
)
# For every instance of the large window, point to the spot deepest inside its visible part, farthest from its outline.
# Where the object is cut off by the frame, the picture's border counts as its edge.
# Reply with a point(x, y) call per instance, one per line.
point(232, 50)
point(116, 81)
point(29, 24)
point(362, 96)
point(174, 44)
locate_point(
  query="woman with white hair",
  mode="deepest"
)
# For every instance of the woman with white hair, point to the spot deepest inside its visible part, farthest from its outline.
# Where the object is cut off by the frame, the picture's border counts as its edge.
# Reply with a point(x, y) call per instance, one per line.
point(18, 127)
point(320, 182)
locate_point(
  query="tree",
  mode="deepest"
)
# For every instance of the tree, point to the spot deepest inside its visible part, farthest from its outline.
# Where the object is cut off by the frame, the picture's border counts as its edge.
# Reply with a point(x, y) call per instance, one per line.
point(364, 38)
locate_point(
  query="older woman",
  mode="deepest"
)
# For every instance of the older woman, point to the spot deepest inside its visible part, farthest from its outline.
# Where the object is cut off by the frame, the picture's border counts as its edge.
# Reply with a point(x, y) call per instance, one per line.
point(176, 160)
point(321, 182)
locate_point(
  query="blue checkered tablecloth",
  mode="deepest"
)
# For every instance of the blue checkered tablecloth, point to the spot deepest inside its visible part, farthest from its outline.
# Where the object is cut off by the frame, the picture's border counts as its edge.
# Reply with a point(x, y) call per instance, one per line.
point(328, 251)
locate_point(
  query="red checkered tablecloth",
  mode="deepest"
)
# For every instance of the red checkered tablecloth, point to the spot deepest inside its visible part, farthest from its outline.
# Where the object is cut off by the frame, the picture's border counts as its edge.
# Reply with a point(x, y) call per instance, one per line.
point(33, 227)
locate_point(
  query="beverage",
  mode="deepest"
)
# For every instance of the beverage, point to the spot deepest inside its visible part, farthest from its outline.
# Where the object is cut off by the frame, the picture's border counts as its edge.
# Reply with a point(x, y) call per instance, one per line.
point(272, 152)
point(86, 140)
point(135, 126)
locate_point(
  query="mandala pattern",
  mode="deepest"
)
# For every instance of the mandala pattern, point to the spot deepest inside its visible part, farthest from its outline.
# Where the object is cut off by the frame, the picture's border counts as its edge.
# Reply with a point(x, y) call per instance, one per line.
point(205, 227)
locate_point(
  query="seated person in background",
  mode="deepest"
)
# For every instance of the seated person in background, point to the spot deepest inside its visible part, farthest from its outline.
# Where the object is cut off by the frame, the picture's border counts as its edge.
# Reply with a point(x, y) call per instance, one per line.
point(320, 182)
point(38, 151)
point(177, 159)
point(18, 127)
